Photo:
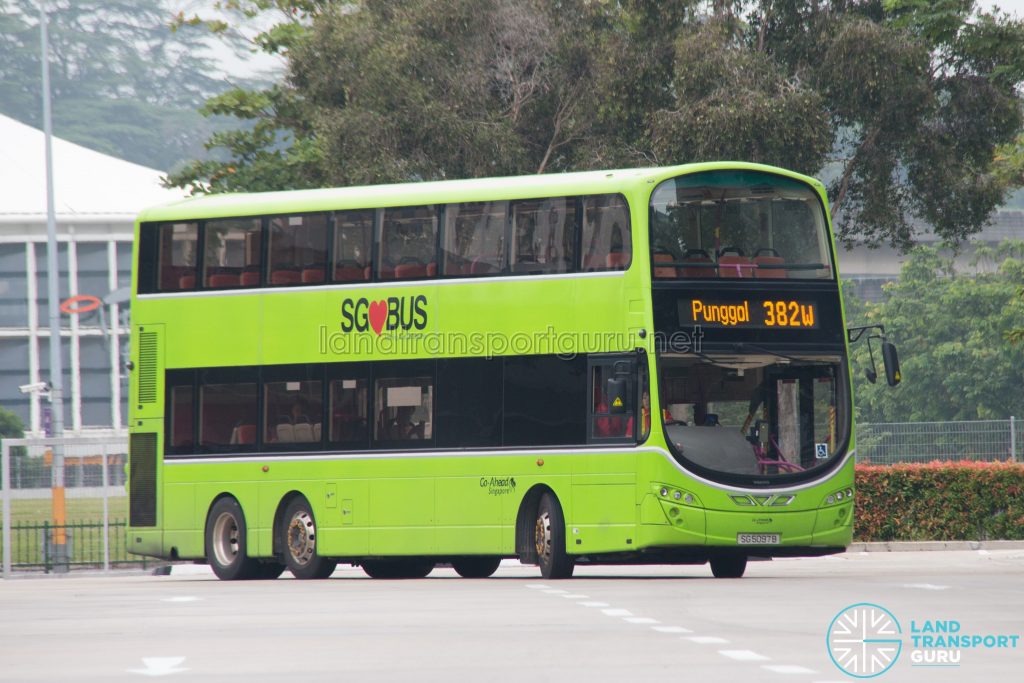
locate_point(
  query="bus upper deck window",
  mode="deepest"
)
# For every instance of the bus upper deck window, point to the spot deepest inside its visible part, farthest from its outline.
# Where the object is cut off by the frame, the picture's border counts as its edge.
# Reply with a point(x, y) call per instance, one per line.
point(606, 233)
point(408, 243)
point(177, 257)
point(231, 257)
point(474, 238)
point(353, 243)
point(298, 249)
point(544, 235)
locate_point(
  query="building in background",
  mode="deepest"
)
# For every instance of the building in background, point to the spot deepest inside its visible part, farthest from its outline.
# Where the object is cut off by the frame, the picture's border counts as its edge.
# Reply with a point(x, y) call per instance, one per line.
point(97, 198)
point(870, 269)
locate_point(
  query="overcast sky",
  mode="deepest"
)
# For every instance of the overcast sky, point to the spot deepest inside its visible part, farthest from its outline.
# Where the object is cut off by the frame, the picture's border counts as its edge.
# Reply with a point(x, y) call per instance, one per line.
point(1012, 6)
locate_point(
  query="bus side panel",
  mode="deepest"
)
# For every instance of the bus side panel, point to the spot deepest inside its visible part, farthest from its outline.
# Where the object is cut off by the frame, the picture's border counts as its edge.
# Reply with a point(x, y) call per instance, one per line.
point(470, 513)
point(403, 516)
point(183, 530)
point(604, 510)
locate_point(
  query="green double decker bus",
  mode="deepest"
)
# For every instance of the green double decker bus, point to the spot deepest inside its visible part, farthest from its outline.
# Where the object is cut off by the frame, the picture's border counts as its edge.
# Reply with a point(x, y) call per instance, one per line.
point(617, 367)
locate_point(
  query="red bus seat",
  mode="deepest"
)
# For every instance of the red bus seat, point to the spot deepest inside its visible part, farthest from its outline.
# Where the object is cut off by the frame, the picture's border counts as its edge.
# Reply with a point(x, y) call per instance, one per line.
point(250, 278)
point(285, 277)
point(312, 275)
point(404, 271)
point(764, 259)
point(732, 263)
point(223, 280)
point(617, 260)
point(695, 260)
point(351, 272)
point(664, 271)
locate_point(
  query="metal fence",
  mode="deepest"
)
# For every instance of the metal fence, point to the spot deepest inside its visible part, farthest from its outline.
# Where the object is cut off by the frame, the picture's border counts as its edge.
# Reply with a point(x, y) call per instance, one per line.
point(886, 443)
point(90, 532)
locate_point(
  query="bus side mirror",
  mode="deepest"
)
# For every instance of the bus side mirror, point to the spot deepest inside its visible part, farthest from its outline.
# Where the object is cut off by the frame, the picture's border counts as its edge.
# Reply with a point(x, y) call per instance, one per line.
point(617, 398)
point(891, 361)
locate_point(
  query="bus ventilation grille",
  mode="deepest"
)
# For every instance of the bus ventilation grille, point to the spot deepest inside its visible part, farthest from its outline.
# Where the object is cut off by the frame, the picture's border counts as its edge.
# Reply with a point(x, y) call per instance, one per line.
point(147, 367)
point(142, 480)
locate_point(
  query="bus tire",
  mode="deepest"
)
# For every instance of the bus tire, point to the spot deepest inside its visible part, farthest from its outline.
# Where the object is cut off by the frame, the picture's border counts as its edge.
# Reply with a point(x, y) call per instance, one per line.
point(549, 539)
point(226, 542)
point(405, 568)
point(728, 566)
point(300, 540)
point(476, 567)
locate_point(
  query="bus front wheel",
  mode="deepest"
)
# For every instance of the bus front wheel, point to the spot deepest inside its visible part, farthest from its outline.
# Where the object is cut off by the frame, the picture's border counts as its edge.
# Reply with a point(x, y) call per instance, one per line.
point(476, 567)
point(549, 540)
point(226, 542)
point(300, 547)
point(728, 567)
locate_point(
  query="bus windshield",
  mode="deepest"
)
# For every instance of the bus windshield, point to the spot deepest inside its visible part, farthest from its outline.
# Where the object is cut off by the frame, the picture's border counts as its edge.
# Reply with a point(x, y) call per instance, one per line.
point(738, 224)
point(758, 416)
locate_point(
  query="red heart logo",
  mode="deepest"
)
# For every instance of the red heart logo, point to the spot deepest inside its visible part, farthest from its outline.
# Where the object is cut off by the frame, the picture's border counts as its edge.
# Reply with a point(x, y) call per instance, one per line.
point(378, 315)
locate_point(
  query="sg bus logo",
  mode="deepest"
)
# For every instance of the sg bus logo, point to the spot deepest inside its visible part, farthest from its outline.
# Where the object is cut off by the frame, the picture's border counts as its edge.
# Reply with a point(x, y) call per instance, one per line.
point(393, 313)
point(864, 640)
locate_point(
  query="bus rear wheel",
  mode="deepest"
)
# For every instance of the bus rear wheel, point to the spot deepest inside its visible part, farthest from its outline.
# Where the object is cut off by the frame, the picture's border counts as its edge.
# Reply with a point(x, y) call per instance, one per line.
point(549, 540)
point(728, 567)
point(476, 567)
point(405, 568)
point(226, 542)
point(300, 552)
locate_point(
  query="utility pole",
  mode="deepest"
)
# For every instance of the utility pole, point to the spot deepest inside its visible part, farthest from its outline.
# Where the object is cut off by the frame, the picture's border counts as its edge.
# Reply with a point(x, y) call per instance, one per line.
point(59, 545)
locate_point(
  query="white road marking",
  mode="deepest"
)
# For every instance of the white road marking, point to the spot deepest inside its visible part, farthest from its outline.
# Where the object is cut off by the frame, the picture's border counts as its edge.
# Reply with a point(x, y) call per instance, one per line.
point(706, 640)
point(554, 591)
point(788, 669)
point(160, 666)
point(642, 620)
point(538, 586)
point(926, 586)
point(671, 629)
point(575, 596)
point(594, 604)
point(181, 598)
point(743, 655)
point(617, 612)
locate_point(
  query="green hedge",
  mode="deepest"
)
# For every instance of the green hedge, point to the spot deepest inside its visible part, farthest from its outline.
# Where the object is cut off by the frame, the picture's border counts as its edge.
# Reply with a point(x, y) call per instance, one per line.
point(940, 501)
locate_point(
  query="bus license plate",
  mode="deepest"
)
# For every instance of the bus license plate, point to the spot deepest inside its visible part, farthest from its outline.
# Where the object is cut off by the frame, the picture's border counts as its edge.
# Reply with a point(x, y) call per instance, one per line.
point(758, 539)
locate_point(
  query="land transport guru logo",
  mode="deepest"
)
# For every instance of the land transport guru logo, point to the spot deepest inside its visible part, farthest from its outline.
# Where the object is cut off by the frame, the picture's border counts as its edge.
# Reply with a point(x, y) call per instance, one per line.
point(865, 640)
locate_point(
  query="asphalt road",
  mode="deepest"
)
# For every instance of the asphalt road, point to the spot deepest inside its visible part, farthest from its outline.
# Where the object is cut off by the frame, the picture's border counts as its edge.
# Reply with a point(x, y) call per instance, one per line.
point(608, 624)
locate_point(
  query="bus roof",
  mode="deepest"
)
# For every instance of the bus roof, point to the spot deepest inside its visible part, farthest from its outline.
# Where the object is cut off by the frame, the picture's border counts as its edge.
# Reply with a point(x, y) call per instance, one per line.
point(443, 191)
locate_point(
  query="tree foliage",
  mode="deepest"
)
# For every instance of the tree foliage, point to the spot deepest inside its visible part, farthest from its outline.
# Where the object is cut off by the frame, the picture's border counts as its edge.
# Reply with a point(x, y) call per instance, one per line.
point(911, 107)
point(11, 425)
point(121, 81)
point(951, 329)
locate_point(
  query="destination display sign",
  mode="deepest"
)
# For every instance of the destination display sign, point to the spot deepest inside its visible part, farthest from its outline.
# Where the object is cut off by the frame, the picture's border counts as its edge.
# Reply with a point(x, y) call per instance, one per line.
point(749, 313)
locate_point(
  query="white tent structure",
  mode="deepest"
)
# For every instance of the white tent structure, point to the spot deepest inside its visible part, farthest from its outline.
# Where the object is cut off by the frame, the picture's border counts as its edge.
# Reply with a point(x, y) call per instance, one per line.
point(96, 199)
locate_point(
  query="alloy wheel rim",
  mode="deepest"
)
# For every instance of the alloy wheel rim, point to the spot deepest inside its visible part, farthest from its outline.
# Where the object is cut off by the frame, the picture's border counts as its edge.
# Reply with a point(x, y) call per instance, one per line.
point(226, 542)
point(301, 537)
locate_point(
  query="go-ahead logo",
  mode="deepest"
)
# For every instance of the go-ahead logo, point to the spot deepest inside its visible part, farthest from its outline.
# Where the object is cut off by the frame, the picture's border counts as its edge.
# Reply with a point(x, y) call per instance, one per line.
point(864, 640)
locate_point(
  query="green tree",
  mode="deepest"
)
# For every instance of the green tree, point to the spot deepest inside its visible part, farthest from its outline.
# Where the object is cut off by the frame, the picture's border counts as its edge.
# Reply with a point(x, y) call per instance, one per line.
point(921, 95)
point(910, 106)
point(951, 331)
point(122, 82)
point(10, 425)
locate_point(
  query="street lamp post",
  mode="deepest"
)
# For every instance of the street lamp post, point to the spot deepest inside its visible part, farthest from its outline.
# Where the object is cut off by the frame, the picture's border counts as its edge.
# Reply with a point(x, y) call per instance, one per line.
point(59, 546)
